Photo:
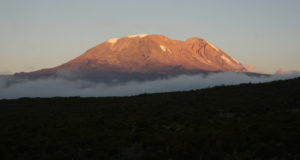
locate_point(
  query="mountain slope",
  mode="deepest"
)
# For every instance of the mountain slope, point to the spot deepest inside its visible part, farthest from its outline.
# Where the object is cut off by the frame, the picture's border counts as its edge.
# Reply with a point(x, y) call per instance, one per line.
point(148, 54)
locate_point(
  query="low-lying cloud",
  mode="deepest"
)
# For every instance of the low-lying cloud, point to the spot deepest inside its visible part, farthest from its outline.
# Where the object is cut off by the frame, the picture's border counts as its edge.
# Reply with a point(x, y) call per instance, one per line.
point(53, 87)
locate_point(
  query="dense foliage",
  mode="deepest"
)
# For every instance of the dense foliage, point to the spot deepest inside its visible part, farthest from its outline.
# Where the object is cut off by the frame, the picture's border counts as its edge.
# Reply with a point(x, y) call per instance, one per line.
point(248, 121)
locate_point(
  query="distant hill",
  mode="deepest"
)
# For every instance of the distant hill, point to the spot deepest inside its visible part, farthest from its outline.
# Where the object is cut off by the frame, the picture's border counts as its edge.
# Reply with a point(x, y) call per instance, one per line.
point(247, 121)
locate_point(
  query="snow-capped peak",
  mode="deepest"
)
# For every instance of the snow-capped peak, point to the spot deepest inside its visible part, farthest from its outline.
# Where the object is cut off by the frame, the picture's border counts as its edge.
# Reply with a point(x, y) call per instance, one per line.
point(138, 35)
point(114, 40)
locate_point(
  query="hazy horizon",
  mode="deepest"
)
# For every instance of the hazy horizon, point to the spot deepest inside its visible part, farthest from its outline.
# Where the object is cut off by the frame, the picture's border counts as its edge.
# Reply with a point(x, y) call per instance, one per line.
point(43, 34)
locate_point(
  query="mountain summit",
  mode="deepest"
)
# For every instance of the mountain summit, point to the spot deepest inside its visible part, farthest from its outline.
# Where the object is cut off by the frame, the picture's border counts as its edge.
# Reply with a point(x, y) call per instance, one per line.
point(154, 53)
point(149, 54)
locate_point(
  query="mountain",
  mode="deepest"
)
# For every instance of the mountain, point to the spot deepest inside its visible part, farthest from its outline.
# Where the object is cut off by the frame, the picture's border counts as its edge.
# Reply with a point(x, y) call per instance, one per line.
point(146, 56)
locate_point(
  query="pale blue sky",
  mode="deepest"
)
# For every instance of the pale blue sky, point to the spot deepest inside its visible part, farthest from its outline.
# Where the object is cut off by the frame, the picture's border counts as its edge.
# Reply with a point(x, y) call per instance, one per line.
point(38, 34)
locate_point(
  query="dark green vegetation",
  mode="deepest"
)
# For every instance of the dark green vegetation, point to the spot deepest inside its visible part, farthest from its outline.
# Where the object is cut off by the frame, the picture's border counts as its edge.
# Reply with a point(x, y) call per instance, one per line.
point(249, 121)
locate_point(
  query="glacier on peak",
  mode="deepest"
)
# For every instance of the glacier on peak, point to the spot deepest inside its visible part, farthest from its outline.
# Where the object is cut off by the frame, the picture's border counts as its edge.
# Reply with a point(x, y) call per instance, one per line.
point(138, 35)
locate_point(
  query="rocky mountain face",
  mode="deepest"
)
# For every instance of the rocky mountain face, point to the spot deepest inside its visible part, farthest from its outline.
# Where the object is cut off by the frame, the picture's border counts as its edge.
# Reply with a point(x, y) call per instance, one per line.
point(143, 56)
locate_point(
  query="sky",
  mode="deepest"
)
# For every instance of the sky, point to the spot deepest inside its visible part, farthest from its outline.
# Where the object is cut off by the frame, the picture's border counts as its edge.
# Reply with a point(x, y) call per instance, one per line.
point(37, 34)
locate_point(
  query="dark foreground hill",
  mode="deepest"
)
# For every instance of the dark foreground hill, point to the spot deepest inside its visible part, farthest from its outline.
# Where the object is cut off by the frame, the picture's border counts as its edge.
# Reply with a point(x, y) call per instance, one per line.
point(249, 121)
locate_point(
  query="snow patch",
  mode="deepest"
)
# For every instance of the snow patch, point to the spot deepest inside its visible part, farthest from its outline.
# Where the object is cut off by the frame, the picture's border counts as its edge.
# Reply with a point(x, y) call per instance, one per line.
point(235, 60)
point(214, 47)
point(113, 40)
point(208, 61)
point(226, 59)
point(164, 48)
point(138, 35)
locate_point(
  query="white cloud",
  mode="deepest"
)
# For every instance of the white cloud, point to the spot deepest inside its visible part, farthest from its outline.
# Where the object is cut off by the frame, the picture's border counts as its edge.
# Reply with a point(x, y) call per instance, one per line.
point(63, 87)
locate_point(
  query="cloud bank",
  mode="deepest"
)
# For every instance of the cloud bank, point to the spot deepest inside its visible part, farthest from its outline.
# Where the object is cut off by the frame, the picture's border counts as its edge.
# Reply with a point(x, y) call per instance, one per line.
point(54, 87)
